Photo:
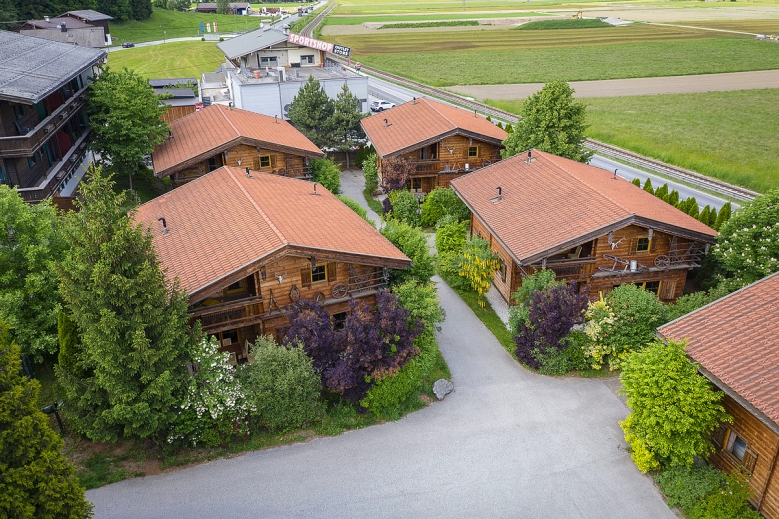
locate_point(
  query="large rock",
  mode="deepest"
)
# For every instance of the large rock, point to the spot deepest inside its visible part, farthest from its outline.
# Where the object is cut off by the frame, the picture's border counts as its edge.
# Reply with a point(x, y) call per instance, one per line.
point(442, 387)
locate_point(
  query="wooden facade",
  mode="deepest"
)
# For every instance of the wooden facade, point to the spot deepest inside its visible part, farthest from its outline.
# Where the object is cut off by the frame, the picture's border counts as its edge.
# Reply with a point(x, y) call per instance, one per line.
point(243, 155)
point(177, 112)
point(605, 262)
point(749, 444)
point(438, 162)
point(254, 304)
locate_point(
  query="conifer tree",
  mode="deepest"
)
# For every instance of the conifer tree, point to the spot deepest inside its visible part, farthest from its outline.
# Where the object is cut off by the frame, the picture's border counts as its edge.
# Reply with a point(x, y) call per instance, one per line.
point(345, 122)
point(703, 217)
point(36, 480)
point(723, 216)
point(132, 322)
point(662, 191)
point(636, 182)
point(648, 186)
point(311, 111)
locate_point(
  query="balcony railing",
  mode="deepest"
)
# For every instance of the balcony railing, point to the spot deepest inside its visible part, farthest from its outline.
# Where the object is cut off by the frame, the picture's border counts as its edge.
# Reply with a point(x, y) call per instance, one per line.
point(571, 269)
point(56, 175)
point(363, 282)
point(445, 165)
point(234, 313)
point(24, 145)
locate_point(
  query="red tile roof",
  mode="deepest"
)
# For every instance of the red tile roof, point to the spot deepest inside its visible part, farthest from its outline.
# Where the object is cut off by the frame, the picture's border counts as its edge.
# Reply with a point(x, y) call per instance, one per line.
point(205, 133)
point(413, 123)
point(552, 202)
point(223, 222)
point(736, 339)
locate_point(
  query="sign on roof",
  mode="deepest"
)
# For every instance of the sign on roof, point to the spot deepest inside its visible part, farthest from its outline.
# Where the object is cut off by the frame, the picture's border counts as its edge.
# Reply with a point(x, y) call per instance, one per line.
point(318, 44)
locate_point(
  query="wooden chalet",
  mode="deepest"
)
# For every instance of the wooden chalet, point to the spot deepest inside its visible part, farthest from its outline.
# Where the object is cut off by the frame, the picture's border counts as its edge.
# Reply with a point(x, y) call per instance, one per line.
point(245, 245)
point(441, 141)
point(242, 8)
point(586, 224)
point(734, 340)
point(222, 136)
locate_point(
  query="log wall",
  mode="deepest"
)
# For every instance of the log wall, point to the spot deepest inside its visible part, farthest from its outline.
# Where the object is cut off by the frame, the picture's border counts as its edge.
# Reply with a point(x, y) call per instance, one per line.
point(177, 112)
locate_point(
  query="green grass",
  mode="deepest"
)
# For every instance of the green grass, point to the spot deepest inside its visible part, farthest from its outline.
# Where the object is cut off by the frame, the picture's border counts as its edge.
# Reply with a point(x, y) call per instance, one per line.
point(357, 20)
point(419, 25)
point(727, 135)
point(582, 23)
point(500, 57)
point(177, 59)
point(373, 203)
point(145, 185)
point(99, 470)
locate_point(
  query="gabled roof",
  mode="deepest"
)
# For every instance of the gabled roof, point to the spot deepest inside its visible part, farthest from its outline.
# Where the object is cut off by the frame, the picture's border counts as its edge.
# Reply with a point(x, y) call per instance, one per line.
point(736, 341)
point(32, 68)
point(54, 23)
point(224, 222)
point(205, 133)
point(251, 41)
point(413, 124)
point(214, 5)
point(87, 14)
point(553, 203)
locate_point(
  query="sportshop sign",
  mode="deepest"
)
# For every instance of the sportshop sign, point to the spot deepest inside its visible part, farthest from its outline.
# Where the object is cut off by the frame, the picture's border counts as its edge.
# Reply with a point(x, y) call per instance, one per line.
point(319, 45)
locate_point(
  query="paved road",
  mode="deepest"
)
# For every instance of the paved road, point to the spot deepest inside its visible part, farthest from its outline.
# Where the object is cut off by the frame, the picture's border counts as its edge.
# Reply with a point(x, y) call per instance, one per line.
point(352, 186)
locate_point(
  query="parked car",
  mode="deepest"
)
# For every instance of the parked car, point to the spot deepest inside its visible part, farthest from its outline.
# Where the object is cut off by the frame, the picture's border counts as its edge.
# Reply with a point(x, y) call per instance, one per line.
point(381, 105)
point(127, 45)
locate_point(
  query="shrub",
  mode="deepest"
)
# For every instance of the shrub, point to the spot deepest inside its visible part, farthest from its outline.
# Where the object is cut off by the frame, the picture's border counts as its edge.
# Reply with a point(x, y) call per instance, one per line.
point(451, 238)
point(552, 313)
point(648, 186)
point(478, 266)
point(727, 502)
point(405, 207)
point(326, 172)
point(673, 409)
point(538, 281)
point(440, 202)
point(363, 154)
point(371, 173)
point(448, 267)
point(445, 220)
point(686, 487)
point(357, 208)
point(413, 242)
point(281, 385)
point(636, 182)
point(395, 174)
point(421, 301)
point(565, 360)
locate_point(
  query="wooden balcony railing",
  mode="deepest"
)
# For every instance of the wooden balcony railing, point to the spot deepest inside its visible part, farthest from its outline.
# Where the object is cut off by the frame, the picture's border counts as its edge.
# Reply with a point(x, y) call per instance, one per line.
point(24, 145)
point(445, 165)
point(233, 312)
point(571, 269)
point(362, 282)
point(55, 176)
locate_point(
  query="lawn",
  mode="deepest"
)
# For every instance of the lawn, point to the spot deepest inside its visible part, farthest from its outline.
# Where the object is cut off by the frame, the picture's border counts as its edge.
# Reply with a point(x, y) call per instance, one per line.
point(177, 59)
point(509, 56)
point(727, 135)
point(752, 26)
point(357, 20)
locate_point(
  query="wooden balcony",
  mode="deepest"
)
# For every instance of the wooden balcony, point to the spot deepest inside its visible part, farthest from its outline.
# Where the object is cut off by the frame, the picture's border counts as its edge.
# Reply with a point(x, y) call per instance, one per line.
point(438, 166)
point(571, 269)
point(230, 314)
point(26, 145)
point(57, 173)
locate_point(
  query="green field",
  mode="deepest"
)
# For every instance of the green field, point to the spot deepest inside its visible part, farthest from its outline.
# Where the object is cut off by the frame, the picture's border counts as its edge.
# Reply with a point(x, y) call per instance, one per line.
point(564, 23)
point(177, 59)
point(728, 135)
point(357, 20)
point(423, 25)
point(508, 56)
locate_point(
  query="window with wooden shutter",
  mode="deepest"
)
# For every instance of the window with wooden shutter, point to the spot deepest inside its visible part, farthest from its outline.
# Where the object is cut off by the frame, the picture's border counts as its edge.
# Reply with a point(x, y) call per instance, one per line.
point(305, 277)
point(633, 244)
point(718, 436)
point(668, 289)
point(273, 161)
point(750, 458)
point(331, 271)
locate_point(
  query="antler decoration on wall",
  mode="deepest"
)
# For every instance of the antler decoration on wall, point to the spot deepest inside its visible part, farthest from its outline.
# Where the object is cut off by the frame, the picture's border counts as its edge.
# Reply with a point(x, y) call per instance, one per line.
point(280, 277)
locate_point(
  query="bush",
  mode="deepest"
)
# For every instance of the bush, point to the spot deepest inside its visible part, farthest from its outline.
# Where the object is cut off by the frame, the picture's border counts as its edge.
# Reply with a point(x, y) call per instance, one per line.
point(565, 360)
point(282, 386)
point(478, 266)
point(686, 487)
point(727, 502)
point(326, 172)
point(451, 238)
point(538, 281)
point(440, 202)
point(448, 267)
point(405, 207)
point(357, 208)
point(363, 154)
point(371, 173)
point(413, 242)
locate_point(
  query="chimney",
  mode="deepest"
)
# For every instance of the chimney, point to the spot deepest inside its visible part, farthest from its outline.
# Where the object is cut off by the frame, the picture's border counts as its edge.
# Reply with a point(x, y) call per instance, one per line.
point(46, 18)
point(248, 175)
point(165, 229)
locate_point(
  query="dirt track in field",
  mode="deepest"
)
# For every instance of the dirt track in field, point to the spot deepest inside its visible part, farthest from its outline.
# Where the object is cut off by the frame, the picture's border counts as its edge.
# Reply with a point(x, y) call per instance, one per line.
point(635, 86)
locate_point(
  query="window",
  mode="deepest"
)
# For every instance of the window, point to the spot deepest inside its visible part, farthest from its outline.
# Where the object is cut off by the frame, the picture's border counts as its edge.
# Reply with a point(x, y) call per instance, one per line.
point(736, 447)
point(339, 320)
point(269, 61)
point(649, 286)
point(265, 161)
point(238, 286)
point(307, 60)
point(212, 164)
point(642, 245)
point(473, 151)
point(318, 273)
point(415, 183)
point(502, 270)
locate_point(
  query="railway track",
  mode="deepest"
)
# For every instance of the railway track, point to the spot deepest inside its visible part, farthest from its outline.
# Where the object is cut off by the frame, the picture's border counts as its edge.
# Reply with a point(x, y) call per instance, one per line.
point(676, 173)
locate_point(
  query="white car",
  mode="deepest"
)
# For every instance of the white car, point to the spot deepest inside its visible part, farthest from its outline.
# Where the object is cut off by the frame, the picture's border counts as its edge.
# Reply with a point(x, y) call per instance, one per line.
point(380, 106)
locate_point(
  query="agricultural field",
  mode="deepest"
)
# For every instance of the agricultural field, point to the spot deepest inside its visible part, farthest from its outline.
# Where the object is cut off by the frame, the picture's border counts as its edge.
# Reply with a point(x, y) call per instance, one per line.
point(727, 135)
point(513, 56)
point(177, 59)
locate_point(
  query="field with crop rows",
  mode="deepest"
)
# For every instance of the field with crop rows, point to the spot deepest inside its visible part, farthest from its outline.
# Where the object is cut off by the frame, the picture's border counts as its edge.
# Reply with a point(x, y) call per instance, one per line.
point(177, 59)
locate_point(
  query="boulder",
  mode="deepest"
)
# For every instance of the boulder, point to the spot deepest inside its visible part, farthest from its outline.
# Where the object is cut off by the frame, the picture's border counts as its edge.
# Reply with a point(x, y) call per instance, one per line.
point(442, 387)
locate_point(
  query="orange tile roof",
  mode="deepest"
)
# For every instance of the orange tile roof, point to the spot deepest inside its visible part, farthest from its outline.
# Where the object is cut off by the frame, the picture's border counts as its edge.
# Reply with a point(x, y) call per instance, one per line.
point(736, 339)
point(413, 123)
point(554, 203)
point(202, 134)
point(223, 222)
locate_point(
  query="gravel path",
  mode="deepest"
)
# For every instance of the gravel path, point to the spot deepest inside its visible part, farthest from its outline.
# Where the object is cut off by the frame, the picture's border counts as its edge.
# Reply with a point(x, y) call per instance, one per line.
point(634, 87)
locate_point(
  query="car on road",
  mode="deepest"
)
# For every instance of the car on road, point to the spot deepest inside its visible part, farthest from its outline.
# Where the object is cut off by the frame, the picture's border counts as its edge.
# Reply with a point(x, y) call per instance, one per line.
point(381, 105)
point(127, 45)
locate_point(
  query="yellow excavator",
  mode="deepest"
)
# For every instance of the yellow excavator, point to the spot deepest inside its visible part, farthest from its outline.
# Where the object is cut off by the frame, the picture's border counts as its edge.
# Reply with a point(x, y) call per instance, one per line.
point(578, 16)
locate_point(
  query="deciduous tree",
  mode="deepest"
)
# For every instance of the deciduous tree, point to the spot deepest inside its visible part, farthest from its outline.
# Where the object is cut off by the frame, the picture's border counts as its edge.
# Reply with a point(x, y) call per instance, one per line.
point(311, 111)
point(413, 242)
point(478, 266)
point(36, 480)
point(440, 202)
point(551, 121)
point(326, 172)
point(132, 322)
point(222, 6)
point(395, 173)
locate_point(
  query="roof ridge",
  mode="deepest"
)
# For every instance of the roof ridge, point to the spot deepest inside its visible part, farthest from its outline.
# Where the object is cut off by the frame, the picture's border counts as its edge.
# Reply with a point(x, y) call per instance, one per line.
point(222, 111)
point(256, 206)
point(591, 187)
point(427, 101)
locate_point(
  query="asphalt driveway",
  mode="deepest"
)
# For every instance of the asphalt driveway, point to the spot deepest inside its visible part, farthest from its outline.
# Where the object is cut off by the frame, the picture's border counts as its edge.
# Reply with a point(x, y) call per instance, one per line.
point(505, 443)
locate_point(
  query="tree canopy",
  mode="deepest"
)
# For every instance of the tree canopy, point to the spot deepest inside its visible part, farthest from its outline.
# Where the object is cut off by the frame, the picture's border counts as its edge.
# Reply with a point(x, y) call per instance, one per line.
point(125, 116)
point(311, 111)
point(552, 122)
point(345, 122)
point(120, 10)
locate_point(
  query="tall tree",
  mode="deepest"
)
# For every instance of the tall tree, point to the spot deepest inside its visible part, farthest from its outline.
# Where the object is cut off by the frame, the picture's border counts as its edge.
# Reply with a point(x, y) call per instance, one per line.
point(119, 9)
point(310, 112)
point(345, 122)
point(125, 115)
point(222, 6)
point(36, 479)
point(132, 322)
point(31, 242)
point(141, 9)
point(552, 122)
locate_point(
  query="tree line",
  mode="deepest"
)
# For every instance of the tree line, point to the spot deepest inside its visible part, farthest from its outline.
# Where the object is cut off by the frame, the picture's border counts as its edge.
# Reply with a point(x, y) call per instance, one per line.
point(120, 10)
